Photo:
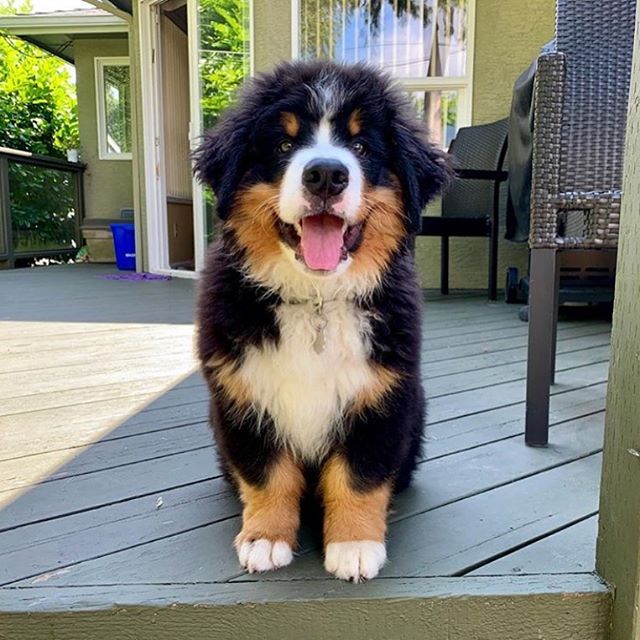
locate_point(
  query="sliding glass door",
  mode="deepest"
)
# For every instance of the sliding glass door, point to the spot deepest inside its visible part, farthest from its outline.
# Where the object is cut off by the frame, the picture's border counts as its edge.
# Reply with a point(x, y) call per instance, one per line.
point(220, 61)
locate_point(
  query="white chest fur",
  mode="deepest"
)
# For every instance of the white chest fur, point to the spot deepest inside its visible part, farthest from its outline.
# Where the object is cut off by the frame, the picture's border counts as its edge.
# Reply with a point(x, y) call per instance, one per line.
point(305, 392)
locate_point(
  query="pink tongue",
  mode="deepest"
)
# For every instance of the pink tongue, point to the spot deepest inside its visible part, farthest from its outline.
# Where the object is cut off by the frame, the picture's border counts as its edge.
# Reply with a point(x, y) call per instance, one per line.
point(322, 241)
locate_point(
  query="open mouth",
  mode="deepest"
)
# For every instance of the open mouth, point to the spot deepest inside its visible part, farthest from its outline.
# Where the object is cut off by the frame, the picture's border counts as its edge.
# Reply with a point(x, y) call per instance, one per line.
point(321, 241)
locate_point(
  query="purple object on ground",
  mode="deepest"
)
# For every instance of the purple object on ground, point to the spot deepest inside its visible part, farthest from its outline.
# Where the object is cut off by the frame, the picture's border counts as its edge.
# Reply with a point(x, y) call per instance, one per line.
point(133, 276)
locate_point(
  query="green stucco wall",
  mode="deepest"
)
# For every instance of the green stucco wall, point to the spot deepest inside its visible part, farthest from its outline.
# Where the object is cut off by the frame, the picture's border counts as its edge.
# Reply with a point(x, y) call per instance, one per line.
point(619, 536)
point(271, 33)
point(508, 36)
point(108, 184)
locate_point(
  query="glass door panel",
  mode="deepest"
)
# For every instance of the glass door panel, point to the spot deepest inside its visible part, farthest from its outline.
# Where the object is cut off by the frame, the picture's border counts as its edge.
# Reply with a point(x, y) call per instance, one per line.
point(220, 62)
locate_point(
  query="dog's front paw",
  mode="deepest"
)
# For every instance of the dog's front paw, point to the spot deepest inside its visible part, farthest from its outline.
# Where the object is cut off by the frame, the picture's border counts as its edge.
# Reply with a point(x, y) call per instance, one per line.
point(355, 561)
point(263, 555)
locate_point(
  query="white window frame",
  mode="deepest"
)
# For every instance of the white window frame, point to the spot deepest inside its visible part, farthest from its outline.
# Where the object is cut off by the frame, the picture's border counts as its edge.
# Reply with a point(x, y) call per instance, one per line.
point(462, 84)
point(100, 63)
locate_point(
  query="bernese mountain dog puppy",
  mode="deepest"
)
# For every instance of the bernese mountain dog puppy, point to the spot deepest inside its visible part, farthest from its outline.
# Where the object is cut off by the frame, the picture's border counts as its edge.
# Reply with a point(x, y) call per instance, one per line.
point(309, 306)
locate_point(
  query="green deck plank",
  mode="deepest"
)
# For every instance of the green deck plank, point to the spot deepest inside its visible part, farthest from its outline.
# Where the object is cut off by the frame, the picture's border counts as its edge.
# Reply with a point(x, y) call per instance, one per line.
point(205, 553)
point(85, 376)
point(59, 497)
point(572, 550)
point(151, 387)
point(499, 374)
point(56, 465)
point(478, 361)
point(35, 432)
point(476, 429)
point(47, 547)
point(460, 349)
point(80, 335)
point(464, 403)
point(497, 338)
point(137, 347)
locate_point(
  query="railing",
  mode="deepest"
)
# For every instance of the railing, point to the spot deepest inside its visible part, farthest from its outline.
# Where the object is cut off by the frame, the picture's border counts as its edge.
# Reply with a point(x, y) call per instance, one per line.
point(41, 206)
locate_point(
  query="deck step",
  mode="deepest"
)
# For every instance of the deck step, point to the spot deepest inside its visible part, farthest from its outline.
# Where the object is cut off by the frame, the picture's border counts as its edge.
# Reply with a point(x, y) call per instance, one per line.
point(501, 608)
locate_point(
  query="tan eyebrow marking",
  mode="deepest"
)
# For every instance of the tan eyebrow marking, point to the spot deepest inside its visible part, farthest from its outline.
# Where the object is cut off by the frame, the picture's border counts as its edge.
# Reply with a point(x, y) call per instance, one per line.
point(355, 122)
point(291, 123)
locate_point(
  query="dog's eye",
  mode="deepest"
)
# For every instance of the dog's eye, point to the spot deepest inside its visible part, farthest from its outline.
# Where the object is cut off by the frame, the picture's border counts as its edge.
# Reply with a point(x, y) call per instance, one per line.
point(285, 147)
point(359, 148)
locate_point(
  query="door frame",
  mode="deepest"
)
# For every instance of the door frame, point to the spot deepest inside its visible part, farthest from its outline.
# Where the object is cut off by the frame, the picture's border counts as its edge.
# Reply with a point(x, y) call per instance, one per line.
point(153, 119)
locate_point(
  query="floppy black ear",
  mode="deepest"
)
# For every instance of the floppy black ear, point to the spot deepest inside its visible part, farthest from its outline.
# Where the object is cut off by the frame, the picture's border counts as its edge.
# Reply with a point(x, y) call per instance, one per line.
point(221, 158)
point(422, 168)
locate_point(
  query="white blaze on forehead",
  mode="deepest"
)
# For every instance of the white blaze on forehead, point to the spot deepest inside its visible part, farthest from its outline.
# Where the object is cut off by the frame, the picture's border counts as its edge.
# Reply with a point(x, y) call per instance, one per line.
point(293, 204)
point(323, 132)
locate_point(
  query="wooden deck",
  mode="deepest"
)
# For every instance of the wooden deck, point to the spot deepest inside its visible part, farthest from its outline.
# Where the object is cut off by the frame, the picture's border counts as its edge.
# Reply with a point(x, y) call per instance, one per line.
point(110, 492)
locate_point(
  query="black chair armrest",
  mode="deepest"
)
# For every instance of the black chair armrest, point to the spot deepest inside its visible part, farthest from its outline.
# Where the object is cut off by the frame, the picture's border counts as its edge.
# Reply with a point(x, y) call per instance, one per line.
point(457, 227)
point(482, 174)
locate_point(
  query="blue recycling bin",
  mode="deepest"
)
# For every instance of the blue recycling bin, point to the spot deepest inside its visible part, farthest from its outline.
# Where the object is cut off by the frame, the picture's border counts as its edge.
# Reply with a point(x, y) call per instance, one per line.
point(124, 244)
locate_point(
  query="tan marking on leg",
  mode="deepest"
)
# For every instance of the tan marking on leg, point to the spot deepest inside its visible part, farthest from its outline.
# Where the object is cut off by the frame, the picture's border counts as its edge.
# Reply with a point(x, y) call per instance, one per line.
point(272, 511)
point(374, 394)
point(351, 514)
point(291, 123)
point(355, 122)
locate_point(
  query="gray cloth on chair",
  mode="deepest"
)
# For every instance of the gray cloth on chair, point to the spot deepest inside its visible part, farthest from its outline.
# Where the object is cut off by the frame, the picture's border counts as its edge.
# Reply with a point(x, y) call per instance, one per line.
point(519, 154)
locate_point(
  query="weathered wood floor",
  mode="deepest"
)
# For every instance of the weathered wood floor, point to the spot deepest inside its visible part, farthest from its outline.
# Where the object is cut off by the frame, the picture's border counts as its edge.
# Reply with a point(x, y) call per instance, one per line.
point(108, 478)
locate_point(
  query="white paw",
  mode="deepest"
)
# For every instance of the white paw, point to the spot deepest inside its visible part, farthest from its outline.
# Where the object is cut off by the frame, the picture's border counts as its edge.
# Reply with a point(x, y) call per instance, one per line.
point(355, 561)
point(264, 555)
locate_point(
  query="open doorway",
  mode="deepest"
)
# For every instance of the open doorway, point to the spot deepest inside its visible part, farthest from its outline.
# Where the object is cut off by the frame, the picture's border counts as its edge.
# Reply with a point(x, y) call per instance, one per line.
point(173, 61)
point(194, 54)
point(169, 93)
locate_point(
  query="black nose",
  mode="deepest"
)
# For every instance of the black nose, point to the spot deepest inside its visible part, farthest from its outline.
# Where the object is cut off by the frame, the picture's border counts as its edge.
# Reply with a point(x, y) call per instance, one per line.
point(325, 177)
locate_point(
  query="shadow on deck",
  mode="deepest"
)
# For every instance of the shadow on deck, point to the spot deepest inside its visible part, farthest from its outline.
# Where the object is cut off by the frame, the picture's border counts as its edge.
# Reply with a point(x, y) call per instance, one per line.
point(110, 492)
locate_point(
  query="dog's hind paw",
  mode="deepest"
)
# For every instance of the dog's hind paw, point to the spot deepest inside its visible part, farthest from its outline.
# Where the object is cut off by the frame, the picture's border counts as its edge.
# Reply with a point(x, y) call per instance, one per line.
point(264, 555)
point(356, 561)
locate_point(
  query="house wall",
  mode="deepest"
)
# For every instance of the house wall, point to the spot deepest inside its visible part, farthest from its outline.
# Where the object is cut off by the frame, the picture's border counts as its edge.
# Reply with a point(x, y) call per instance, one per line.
point(508, 36)
point(271, 33)
point(108, 184)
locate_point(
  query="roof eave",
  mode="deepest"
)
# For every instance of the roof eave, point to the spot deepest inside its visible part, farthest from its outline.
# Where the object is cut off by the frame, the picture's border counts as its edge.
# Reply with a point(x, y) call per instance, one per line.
point(52, 50)
point(35, 24)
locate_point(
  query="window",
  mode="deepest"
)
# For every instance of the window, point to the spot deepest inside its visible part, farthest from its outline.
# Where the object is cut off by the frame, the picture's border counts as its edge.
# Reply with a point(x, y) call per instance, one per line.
point(113, 99)
point(425, 44)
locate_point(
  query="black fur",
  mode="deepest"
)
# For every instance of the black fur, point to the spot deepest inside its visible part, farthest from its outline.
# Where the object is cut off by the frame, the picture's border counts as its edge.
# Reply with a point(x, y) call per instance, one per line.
point(235, 312)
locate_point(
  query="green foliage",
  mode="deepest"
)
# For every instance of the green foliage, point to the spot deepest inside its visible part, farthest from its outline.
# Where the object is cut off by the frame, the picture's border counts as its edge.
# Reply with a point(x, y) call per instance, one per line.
point(42, 207)
point(37, 100)
point(224, 63)
point(224, 56)
point(37, 114)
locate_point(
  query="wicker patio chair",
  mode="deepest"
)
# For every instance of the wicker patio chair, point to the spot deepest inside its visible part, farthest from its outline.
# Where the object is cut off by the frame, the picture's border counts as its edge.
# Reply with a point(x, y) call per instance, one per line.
point(471, 205)
point(581, 94)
